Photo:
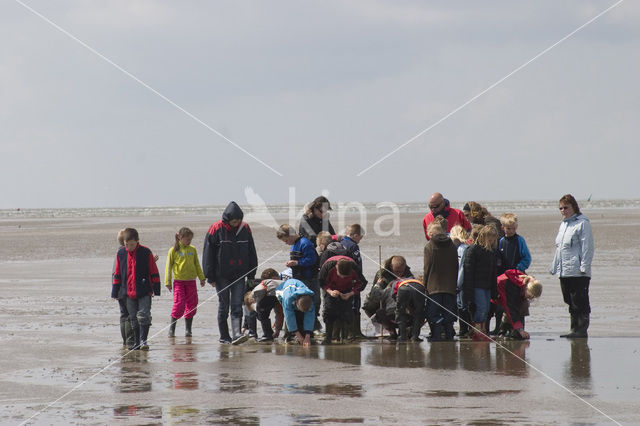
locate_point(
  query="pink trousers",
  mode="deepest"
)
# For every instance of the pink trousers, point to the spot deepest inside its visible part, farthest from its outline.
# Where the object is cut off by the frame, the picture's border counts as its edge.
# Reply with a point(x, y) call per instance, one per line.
point(185, 299)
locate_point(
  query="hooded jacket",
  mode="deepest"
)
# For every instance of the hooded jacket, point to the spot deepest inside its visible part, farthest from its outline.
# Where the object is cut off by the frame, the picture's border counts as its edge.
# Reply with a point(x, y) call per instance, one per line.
point(574, 248)
point(288, 293)
point(440, 265)
point(229, 253)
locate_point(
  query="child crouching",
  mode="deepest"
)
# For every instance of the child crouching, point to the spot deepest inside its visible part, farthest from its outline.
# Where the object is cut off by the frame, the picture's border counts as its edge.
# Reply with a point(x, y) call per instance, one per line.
point(515, 290)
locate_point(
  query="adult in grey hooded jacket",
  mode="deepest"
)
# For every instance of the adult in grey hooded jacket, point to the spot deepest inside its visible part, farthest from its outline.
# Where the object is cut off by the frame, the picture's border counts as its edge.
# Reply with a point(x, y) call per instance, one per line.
point(572, 263)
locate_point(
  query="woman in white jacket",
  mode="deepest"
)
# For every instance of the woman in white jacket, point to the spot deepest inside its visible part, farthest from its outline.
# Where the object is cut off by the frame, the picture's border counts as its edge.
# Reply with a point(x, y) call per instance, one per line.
point(572, 263)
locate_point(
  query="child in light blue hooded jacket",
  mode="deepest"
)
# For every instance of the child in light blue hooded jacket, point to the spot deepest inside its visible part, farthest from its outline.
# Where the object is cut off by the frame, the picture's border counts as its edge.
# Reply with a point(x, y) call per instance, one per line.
point(299, 311)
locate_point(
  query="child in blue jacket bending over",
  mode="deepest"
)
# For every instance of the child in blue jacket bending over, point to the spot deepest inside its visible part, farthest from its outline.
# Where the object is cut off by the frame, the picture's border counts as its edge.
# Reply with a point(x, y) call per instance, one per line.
point(299, 313)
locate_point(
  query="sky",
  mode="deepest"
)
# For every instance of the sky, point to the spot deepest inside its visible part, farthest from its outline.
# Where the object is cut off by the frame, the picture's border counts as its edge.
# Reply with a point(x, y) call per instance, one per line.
point(154, 103)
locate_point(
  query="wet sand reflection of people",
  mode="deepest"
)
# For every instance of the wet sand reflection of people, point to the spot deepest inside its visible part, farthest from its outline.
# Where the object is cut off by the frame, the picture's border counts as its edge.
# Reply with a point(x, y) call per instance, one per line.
point(443, 356)
point(410, 355)
point(348, 354)
point(184, 379)
point(510, 356)
point(135, 374)
point(578, 367)
point(475, 356)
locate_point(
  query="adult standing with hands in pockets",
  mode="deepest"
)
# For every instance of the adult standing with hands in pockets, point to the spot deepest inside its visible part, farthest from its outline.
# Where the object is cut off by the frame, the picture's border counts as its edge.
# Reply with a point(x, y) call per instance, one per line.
point(229, 257)
point(572, 263)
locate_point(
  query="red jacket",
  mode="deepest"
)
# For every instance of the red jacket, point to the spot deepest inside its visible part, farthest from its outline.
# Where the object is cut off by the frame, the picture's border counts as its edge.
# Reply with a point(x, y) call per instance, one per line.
point(329, 279)
point(454, 217)
point(138, 272)
point(511, 296)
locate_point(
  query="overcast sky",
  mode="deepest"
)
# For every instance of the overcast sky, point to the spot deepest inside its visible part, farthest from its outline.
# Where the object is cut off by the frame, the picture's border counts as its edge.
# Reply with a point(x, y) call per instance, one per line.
point(318, 91)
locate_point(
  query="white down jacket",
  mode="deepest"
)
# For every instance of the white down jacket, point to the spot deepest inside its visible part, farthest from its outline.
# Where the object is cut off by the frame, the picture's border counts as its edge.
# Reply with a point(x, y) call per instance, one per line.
point(574, 248)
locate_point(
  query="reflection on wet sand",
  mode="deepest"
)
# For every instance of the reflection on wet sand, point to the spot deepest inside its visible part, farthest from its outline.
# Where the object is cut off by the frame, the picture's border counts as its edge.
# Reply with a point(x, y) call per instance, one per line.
point(391, 355)
point(135, 375)
point(186, 380)
point(146, 412)
point(336, 389)
point(510, 356)
point(578, 367)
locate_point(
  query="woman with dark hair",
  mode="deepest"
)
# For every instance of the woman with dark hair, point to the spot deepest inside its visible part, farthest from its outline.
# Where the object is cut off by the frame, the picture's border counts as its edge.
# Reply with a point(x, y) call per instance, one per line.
point(316, 219)
point(572, 263)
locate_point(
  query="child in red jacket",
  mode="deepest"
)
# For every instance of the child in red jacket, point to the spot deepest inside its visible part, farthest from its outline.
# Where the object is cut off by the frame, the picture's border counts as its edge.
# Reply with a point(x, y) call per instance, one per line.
point(515, 290)
point(136, 276)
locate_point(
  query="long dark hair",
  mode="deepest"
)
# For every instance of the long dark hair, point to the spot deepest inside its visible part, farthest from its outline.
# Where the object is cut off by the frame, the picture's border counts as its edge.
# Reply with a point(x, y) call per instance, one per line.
point(183, 232)
point(568, 199)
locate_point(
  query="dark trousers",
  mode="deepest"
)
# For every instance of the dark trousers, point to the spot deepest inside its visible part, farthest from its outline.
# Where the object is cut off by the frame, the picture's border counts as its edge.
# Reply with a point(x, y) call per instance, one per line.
point(263, 309)
point(124, 313)
point(337, 309)
point(441, 308)
point(575, 292)
point(411, 298)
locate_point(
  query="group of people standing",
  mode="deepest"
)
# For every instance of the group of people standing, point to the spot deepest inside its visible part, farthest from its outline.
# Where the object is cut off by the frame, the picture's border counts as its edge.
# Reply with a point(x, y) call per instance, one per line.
point(474, 268)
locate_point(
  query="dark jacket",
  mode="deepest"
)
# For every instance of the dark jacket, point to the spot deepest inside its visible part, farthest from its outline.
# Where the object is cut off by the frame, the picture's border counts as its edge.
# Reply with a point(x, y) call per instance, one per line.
point(310, 226)
point(480, 271)
point(353, 249)
point(142, 265)
point(334, 248)
point(440, 265)
point(229, 253)
point(514, 254)
point(332, 263)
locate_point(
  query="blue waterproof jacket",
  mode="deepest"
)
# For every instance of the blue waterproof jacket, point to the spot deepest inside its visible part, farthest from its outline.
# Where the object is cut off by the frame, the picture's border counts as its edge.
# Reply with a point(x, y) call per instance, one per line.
point(305, 253)
point(574, 248)
point(287, 293)
point(519, 259)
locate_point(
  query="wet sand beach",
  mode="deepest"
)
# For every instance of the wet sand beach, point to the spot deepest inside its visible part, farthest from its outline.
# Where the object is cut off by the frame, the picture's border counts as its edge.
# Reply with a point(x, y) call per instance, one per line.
point(60, 341)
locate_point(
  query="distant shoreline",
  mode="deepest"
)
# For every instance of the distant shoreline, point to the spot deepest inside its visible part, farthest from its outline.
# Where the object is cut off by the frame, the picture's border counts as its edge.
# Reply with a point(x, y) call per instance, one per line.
point(278, 209)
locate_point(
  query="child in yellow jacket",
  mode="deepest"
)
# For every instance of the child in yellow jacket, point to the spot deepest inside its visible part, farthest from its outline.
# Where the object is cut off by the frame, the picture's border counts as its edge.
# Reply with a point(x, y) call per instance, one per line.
point(183, 265)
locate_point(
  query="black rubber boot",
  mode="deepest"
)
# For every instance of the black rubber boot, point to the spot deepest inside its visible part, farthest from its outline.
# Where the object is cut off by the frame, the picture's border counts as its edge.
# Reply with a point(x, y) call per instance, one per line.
point(188, 322)
point(449, 331)
point(436, 333)
point(123, 331)
point(499, 313)
point(329, 333)
point(582, 324)
point(574, 326)
point(343, 331)
point(135, 341)
point(356, 331)
point(402, 332)
point(144, 333)
point(338, 327)
point(172, 327)
point(223, 328)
